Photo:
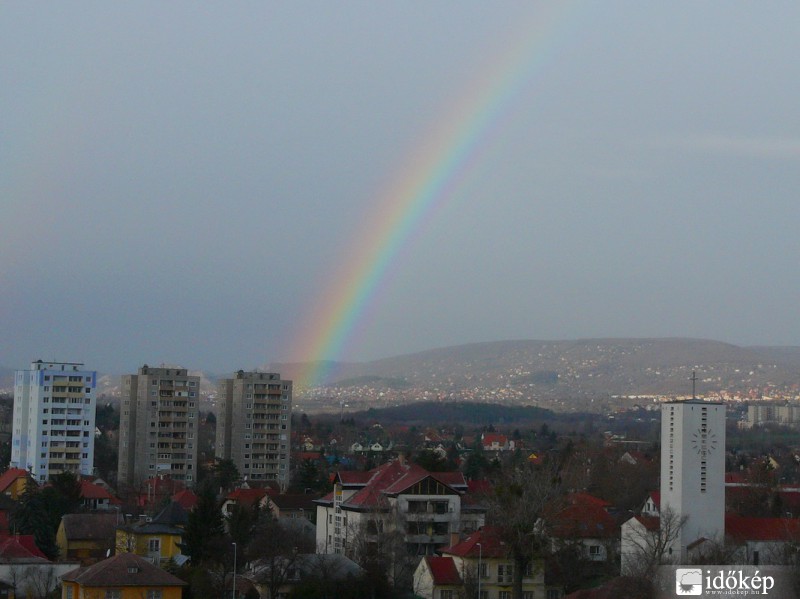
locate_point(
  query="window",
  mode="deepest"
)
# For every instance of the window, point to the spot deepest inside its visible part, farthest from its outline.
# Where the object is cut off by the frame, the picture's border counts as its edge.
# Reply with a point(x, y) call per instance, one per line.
point(113, 594)
point(445, 594)
point(504, 595)
point(553, 594)
point(527, 594)
point(505, 573)
point(594, 551)
point(154, 594)
point(154, 545)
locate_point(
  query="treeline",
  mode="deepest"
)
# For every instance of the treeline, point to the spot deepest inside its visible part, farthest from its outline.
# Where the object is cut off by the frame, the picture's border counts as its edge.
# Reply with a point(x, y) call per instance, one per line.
point(476, 414)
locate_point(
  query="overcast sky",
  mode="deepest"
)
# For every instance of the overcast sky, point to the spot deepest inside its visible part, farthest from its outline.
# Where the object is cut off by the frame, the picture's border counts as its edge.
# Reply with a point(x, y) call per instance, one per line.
point(180, 182)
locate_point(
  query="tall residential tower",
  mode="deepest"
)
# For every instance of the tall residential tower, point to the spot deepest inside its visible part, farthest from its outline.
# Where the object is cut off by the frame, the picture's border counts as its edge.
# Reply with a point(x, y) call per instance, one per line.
point(53, 424)
point(254, 425)
point(158, 425)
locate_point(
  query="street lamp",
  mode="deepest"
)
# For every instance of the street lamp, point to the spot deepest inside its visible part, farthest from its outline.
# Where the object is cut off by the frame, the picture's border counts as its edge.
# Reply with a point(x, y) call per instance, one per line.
point(233, 590)
point(480, 561)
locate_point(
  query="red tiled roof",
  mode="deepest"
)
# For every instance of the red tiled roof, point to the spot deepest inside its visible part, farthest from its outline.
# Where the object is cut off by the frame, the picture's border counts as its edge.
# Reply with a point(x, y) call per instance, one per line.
point(587, 499)
point(90, 490)
point(735, 478)
point(247, 497)
point(10, 475)
point(479, 486)
point(650, 522)
point(443, 570)
point(395, 477)
point(124, 569)
point(742, 529)
point(20, 547)
point(485, 542)
point(490, 438)
point(186, 499)
point(584, 520)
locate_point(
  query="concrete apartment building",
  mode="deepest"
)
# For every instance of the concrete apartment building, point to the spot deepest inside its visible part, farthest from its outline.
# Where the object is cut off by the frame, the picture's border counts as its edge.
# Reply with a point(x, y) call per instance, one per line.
point(254, 425)
point(787, 414)
point(54, 419)
point(158, 425)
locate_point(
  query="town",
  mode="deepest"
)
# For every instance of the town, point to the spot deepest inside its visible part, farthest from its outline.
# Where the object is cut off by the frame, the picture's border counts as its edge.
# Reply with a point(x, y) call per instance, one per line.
point(156, 497)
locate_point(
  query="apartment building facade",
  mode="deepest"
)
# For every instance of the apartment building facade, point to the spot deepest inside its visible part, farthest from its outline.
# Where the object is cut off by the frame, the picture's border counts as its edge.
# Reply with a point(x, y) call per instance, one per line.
point(254, 425)
point(54, 419)
point(158, 425)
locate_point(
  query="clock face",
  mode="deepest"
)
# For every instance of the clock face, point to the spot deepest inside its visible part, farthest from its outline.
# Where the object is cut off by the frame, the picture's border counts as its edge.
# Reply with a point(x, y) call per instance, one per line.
point(704, 442)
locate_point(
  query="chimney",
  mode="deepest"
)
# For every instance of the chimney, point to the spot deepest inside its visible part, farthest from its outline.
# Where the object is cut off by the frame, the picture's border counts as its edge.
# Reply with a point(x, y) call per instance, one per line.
point(455, 538)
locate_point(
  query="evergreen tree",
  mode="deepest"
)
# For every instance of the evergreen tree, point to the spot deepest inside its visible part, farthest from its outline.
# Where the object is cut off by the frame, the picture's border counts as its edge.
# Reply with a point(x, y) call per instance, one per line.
point(204, 528)
point(33, 516)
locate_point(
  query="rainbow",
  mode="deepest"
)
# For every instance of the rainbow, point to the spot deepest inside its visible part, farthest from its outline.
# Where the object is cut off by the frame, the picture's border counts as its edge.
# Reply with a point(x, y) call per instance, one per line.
point(428, 182)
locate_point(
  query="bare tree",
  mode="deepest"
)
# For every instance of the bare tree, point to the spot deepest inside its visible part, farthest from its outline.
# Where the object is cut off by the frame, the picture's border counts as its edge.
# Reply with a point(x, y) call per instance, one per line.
point(647, 544)
point(523, 495)
point(274, 550)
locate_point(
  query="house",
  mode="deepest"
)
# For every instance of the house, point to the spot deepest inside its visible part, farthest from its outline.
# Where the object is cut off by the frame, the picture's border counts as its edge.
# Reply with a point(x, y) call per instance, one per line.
point(244, 497)
point(24, 569)
point(639, 534)
point(157, 539)
point(496, 442)
point(437, 578)
point(397, 496)
point(483, 557)
point(14, 481)
point(762, 541)
point(86, 537)
point(319, 575)
point(287, 505)
point(652, 505)
point(96, 497)
point(123, 576)
point(585, 520)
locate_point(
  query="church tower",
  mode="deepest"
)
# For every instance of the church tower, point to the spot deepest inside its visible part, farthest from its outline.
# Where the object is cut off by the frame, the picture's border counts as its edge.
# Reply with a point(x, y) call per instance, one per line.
point(693, 470)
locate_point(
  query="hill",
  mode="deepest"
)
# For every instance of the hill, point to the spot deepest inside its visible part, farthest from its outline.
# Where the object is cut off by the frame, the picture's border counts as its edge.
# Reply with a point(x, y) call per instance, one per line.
point(580, 368)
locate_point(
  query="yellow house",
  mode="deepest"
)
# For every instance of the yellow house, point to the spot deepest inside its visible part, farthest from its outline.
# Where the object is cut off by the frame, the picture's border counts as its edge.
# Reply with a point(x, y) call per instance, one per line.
point(158, 539)
point(14, 481)
point(86, 537)
point(123, 576)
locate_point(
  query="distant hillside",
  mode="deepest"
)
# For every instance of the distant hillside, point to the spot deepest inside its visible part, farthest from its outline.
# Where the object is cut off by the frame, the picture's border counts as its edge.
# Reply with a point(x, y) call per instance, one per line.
point(581, 368)
point(425, 413)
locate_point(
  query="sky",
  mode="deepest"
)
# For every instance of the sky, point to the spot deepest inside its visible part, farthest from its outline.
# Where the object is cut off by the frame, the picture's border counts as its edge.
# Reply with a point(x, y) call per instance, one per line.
point(213, 185)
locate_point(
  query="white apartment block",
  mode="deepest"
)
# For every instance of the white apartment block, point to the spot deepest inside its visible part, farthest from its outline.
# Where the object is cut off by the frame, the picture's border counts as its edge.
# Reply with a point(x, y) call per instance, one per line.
point(426, 508)
point(693, 469)
point(54, 419)
point(787, 414)
point(254, 425)
point(158, 425)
